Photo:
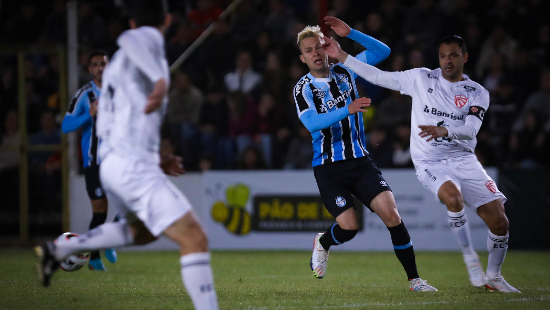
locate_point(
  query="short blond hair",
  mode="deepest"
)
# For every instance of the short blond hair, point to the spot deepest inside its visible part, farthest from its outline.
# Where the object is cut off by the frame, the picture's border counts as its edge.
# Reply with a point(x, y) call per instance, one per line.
point(309, 32)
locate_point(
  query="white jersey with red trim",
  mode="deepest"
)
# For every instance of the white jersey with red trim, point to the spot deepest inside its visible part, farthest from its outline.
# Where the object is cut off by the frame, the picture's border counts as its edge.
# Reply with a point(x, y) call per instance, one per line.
point(439, 102)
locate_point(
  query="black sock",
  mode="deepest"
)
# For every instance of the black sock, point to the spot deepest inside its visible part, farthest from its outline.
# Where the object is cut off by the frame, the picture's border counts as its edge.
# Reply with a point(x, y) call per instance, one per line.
point(97, 219)
point(403, 248)
point(336, 235)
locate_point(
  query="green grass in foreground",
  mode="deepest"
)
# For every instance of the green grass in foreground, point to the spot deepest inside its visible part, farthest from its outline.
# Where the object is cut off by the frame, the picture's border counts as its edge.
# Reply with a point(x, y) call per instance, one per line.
point(275, 280)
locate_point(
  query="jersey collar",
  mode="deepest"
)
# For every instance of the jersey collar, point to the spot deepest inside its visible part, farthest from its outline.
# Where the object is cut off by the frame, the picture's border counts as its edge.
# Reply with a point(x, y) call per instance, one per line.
point(320, 80)
point(465, 77)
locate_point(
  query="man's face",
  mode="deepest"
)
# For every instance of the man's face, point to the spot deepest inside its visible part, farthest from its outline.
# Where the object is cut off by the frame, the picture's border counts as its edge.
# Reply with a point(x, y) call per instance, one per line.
point(313, 54)
point(96, 66)
point(451, 61)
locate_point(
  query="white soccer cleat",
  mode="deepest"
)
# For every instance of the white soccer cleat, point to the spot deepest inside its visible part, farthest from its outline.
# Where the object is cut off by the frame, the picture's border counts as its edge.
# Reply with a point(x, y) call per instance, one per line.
point(499, 284)
point(419, 285)
point(475, 272)
point(319, 258)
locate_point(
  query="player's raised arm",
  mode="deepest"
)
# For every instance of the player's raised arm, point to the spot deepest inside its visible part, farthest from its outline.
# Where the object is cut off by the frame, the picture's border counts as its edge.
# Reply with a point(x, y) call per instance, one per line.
point(401, 81)
point(376, 50)
point(315, 121)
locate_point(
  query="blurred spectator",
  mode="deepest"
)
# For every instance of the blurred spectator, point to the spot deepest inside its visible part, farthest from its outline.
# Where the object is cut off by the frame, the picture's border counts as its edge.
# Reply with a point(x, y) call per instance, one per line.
point(473, 38)
point(214, 128)
point(27, 27)
point(374, 27)
point(185, 101)
point(503, 110)
point(394, 110)
point(242, 118)
point(502, 12)
point(525, 74)
point(55, 26)
point(416, 58)
point(542, 47)
point(91, 27)
point(180, 42)
point(498, 42)
point(300, 151)
point(251, 159)
point(206, 12)
point(379, 147)
point(8, 91)
point(267, 122)
point(538, 103)
point(275, 77)
point(422, 25)
point(278, 19)
point(402, 145)
point(262, 49)
point(115, 28)
point(9, 158)
point(525, 144)
point(245, 24)
point(393, 15)
point(496, 72)
point(244, 78)
point(342, 10)
point(219, 64)
point(49, 134)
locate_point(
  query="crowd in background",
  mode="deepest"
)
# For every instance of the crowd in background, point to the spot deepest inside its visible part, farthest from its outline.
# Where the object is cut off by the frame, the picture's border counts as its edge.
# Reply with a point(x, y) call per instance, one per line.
point(231, 104)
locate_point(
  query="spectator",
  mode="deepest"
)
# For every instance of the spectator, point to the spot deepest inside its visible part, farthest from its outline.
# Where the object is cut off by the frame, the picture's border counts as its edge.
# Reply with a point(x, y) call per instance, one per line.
point(498, 42)
point(525, 74)
point(416, 58)
point(206, 12)
point(526, 144)
point(219, 64)
point(27, 27)
point(214, 128)
point(9, 158)
point(245, 24)
point(394, 110)
point(244, 78)
point(185, 101)
point(242, 119)
point(278, 19)
point(251, 159)
point(267, 123)
point(496, 72)
point(55, 26)
point(539, 103)
point(473, 38)
point(49, 134)
point(379, 147)
point(542, 48)
point(422, 25)
point(91, 27)
point(300, 152)
point(504, 108)
point(275, 77)
point(402, 146)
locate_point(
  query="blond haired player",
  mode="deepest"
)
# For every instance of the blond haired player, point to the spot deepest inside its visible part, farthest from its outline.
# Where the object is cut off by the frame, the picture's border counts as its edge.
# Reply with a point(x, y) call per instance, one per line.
point(328, 104)
point(447, 112)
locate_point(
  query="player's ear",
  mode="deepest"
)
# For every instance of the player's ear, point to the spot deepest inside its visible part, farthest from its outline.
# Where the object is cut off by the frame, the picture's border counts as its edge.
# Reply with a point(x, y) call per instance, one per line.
point(302, 58)
point(465, 56)
point(133, 24)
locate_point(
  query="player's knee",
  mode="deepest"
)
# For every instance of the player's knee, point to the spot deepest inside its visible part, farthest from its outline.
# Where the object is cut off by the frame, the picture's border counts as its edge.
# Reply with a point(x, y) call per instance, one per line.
point(195, 240)
point(349, 225)
point(454, 202)
point(99, 207)
point(500, 226)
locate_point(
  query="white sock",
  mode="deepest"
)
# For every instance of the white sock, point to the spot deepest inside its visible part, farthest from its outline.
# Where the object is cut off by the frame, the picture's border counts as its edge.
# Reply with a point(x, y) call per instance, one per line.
point(108, 235)
point(458, 221)
point(497, 247)
point(199, 281)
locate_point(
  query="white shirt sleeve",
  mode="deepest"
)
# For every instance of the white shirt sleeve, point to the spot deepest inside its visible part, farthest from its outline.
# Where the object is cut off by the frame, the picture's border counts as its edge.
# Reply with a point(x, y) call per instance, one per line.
point(402, 81)
point(473, 120)
point(140, 53)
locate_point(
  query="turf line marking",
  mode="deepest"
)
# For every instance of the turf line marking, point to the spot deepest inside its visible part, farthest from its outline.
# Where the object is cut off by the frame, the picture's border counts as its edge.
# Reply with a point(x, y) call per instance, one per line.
point(379, 304)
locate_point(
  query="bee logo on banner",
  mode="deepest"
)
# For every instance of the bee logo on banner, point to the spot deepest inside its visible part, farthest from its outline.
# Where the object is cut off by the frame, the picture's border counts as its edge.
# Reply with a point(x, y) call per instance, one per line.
point(231, 211)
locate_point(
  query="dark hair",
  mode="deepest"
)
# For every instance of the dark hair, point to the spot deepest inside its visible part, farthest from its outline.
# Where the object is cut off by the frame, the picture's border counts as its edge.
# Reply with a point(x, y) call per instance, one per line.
point(148, 12)
point(455, 39)
point(97, 53)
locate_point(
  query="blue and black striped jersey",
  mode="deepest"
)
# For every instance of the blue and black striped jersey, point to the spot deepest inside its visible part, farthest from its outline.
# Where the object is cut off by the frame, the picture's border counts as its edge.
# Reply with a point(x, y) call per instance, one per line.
point(78, 116)
point(322, 103)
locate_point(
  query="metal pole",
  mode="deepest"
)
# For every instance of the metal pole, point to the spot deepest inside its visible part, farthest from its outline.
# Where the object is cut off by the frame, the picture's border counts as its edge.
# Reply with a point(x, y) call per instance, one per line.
point(23, 155)
point(64, 149)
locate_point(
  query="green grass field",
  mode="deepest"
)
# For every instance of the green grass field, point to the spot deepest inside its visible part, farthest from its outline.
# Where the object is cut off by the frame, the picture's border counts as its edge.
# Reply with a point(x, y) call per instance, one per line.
point(275, 280)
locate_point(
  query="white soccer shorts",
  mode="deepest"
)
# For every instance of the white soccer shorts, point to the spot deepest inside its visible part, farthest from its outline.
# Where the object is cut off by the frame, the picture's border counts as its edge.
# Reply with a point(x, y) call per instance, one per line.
point(466, 173)
point(141, 189)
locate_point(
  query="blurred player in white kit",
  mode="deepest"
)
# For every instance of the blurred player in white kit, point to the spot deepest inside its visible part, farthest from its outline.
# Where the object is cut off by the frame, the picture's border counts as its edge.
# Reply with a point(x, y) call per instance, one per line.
point(447, 112)
point(132, 106)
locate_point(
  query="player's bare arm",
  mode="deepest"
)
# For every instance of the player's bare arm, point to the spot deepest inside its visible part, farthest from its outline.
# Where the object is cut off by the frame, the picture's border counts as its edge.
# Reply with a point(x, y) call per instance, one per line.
point(338, 26)
point(432, 132)
point(93, 108)
point(154, 101)
point(171, 164)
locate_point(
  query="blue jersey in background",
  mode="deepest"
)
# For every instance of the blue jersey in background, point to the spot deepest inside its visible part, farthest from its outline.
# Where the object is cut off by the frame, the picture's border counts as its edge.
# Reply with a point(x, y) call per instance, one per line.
point(78, 116)
point(322, 106)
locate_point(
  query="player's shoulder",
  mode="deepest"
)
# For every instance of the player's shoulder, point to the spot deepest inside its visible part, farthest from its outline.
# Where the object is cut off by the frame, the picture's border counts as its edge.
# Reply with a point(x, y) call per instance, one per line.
point(473, 87)
point(303, 82)
point(84, 90)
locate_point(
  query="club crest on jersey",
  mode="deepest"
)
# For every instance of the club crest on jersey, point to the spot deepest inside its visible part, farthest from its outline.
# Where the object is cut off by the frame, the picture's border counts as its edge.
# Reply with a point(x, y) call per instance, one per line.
point(319, 93)
point(340, 201)
point(491, 186)
point(460, 101)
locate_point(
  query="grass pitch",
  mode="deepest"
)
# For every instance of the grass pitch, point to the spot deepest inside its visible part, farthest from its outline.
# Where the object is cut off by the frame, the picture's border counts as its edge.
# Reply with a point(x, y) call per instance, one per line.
point(275, 280)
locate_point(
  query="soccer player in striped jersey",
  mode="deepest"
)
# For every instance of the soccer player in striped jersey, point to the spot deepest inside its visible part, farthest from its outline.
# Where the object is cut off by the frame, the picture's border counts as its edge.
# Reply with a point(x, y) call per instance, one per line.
point(328, 105)
point(447, 112)
point(82, 115)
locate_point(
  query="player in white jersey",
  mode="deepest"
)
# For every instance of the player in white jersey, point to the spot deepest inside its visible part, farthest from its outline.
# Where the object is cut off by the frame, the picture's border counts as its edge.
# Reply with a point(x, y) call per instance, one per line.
point(132, 106)
point(447, 112)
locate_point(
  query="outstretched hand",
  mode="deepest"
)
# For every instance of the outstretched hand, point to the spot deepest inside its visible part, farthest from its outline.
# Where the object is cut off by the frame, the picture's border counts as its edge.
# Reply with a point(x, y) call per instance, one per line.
point(338, 26)
point(432, 132)
point(171, 164)
point(358, 104)
point(333, 49)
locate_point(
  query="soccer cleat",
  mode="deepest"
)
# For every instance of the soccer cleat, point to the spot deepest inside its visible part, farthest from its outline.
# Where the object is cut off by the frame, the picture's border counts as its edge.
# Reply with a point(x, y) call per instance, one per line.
point(47, 264)
point(319, 258)
point(499, 284)
point(111, 255)
point(96, 265)
point(475, 272)
point(419, 285)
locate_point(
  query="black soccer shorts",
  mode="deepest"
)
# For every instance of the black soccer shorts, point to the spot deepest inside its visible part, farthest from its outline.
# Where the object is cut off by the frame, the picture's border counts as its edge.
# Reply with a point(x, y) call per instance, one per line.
point(93, 184)
point(337, 181)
